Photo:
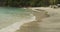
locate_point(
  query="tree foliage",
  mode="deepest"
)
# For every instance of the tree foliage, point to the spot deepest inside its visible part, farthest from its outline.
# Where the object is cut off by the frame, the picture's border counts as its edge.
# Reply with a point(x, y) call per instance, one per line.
point(28, 3)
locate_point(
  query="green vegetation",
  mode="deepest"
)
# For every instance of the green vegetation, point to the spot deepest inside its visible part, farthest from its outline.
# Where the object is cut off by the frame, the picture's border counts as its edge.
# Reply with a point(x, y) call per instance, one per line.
point(28, 3)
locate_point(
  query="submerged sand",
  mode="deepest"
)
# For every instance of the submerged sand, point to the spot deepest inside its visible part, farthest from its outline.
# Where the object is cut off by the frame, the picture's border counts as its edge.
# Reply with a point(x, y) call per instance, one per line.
point(34, 25)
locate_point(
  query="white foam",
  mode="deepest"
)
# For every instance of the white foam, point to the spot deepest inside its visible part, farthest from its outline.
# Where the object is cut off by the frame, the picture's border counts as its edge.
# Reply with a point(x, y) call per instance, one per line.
point(16, 25)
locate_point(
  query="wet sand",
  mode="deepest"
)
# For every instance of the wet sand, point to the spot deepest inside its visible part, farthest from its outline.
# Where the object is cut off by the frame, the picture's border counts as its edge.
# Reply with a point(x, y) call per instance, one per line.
point(34, 25)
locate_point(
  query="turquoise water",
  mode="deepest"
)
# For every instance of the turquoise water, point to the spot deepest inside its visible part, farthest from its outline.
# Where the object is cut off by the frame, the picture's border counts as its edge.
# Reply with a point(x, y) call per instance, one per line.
point(11, 10)
point(9, 15)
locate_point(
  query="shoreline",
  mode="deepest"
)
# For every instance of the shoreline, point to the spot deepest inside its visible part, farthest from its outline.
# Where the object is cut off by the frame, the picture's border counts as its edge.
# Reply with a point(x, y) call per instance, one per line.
point(26, 27)
point(15, 26)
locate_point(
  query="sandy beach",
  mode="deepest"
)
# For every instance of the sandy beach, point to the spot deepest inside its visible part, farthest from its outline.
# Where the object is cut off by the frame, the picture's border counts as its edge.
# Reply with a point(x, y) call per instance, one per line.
point(34, 25)
point(47, 20)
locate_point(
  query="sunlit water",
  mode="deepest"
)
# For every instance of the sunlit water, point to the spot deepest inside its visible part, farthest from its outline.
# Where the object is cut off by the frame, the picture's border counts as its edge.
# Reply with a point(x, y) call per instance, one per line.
point(52, 23)
point(11, 18)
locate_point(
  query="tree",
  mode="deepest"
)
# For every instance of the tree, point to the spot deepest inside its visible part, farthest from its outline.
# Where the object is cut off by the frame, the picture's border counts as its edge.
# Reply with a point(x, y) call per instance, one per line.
point(53, 2)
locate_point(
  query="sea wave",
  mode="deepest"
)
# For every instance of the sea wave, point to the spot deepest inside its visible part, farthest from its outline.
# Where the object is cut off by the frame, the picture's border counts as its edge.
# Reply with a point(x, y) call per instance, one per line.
point(16, 25)
point(11, 20)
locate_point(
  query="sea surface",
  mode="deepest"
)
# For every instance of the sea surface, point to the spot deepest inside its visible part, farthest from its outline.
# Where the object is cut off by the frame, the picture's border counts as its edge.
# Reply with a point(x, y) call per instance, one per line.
point(9, 16)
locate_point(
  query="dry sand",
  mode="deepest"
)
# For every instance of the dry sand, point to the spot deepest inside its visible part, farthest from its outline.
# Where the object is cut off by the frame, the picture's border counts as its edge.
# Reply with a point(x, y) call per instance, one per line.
point(34, 25)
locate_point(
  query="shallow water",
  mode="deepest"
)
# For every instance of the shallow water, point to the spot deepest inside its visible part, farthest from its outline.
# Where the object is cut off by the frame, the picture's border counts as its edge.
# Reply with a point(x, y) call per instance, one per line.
point(9, 15)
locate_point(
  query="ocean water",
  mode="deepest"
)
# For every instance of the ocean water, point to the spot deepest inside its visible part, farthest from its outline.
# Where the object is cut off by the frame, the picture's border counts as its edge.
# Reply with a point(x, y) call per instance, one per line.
point(9, 15)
